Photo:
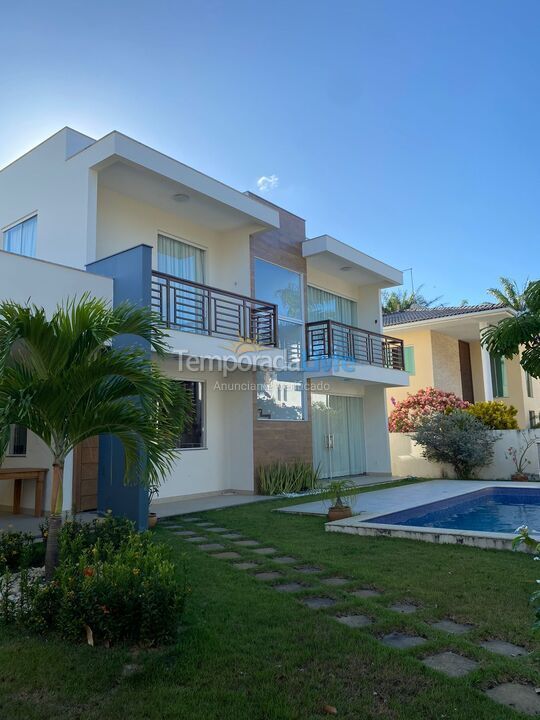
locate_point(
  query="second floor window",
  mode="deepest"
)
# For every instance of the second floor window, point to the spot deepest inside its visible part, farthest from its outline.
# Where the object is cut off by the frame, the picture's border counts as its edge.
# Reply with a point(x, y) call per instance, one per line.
point(324, 305)
point(529, 381)
point(408, 357)
point(21, 238)
point(179, 259)
point(498, 377)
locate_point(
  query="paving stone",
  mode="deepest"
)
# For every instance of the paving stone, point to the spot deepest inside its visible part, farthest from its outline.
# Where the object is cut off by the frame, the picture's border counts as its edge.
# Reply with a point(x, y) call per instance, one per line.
point(522, 698)
point(227, 555)
point(335, 581)
point(206, 524)
point(197, 539)
point(354, 621)
point(247, 543)
point(500, 647)
point(450, 663)
point(308, 569)
point(218, 529)
point(404, 608)
point(366, 593)
point(401, 641)
point(192, 519)
point(212, 546)
point(265, 551)
point(289, 587)
point(185, 533)
point(267, 576)
point(318, 602)
point(245, 565)
point(284, 560)
point(231, 536)
point(454, 628)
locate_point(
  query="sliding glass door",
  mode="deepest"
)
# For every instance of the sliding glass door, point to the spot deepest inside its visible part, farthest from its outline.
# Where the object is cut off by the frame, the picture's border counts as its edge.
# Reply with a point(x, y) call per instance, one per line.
point(338, 435)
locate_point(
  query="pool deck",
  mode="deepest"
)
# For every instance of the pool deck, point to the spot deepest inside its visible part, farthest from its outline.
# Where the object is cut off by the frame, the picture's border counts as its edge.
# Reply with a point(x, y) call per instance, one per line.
point(382, 502)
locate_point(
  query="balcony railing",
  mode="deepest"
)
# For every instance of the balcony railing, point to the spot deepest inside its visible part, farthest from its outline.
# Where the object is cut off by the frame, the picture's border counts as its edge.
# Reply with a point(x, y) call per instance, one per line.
point(193, 307)
point(331, 339)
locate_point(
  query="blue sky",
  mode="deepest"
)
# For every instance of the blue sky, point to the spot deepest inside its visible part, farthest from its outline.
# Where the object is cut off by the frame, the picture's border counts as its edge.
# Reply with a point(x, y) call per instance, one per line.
point(409, 129)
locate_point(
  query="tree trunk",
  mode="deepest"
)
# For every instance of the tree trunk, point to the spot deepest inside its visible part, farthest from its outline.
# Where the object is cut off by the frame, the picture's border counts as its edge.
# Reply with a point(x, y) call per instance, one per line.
point(55, 521)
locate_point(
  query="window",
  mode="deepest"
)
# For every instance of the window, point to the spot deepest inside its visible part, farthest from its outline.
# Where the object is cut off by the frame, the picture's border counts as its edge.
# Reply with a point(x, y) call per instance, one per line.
point(324, 305)
point(194, 434)
point(21, 238)
point(280, 286)
point(498, 377)
point(180, 259)
point(529, 382)
point(280, 396)
point(17, 440)
point(408, 356)
point(534, 420)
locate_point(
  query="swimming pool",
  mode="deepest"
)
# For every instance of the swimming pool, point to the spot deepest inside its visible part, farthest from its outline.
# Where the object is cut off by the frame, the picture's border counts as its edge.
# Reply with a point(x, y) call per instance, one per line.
point(490, 509)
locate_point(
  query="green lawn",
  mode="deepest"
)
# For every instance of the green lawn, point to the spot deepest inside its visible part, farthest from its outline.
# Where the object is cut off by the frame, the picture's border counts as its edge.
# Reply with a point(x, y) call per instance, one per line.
point(247, 652)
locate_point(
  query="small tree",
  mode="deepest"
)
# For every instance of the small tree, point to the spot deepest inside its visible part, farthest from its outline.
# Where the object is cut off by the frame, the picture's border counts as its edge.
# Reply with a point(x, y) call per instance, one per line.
point(496, 414)
point(457, 438)
point(407, 413)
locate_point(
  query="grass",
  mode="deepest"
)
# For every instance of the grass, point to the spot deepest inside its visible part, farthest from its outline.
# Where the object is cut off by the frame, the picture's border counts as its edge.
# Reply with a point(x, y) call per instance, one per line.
point(246, 652)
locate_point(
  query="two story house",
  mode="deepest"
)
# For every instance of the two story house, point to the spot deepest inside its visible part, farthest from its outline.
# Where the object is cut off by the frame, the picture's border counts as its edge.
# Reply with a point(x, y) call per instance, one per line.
point(277, 337)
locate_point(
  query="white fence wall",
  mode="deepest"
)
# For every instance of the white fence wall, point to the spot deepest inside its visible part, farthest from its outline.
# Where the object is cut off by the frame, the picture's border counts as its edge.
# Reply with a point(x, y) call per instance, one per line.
point(407, 457)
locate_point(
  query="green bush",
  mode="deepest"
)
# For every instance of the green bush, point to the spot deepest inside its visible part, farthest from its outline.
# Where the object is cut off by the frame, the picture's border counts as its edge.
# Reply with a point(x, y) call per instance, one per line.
point(495, 414)
point(279, 478)
point(108, 532)
point(18, 550)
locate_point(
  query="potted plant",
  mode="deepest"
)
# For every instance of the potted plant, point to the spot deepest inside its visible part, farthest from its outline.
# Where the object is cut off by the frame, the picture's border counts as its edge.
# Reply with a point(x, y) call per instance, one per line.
point(517, 455)
point(152, 516)
point(340, 507)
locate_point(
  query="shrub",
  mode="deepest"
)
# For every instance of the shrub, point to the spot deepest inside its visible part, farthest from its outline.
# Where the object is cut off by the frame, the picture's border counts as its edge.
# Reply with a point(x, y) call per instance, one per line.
point(407, 413)
point(18, 550)
point(280, 478)
point(108, 532)
point(495, 414)
point(457, 438)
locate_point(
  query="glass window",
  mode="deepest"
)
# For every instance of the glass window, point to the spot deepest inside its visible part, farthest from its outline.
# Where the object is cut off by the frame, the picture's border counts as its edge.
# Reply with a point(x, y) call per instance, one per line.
point(21, 238)
point(291, 336)
point(408, 355)
point(194, 434)
point(280, 286)
point(17, 440)
point(180, 259)
point(529, 385)
point(280, 396)
point(498, 376)
point(324, 305)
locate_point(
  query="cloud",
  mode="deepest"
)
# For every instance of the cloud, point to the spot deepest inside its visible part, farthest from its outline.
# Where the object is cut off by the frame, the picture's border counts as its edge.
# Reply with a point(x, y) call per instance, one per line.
point(267, 182)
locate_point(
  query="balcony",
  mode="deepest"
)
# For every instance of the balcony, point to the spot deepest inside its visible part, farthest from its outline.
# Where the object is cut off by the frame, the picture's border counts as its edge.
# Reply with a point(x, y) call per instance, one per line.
point(191, 307)
point(328, 339)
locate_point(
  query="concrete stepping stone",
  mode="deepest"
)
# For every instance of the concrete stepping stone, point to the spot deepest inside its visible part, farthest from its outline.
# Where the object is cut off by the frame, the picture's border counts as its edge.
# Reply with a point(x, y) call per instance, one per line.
point(192, 519)
point(404, 608)
point(267, 576)
point(366, 593)
point(185, 533)
point(265, 551)
point(308, 569)
point(245, 565)
point(401, 641)
point(247, 543)
point(231, 536)
point(228, 555)
point(450, 663)
point(500, 647)
point(315, 603)
point(354, 621)
point(284, 560)
point(208, 547)
point(454, 628)
point(218, 529)
point(522, 698)
point(206, 524)
point(335, 581)
point(291, 587)
point(197, 539)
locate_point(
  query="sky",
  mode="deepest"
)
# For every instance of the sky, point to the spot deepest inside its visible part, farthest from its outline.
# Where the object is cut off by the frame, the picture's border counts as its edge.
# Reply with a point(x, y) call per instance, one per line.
point(409, 129)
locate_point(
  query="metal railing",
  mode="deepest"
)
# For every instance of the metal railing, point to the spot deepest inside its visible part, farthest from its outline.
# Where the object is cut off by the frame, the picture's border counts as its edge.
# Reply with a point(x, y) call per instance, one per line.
point(332, 339)
point(194, 307)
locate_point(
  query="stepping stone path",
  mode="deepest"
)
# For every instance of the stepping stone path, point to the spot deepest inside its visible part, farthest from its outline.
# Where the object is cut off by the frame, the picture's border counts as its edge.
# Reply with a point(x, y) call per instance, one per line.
point(318, 602)
point(218, 529)
point(404, 608)
point(454, 628)
point(247, 543)
point(451, 664)
point(245, 565)
point(400, 641)
point(308, 569)
point(211, 546)
point(504, 648)
point(366, 593)
point(522, 698)
point(265, 551)
point(354, 621)
point(289, 587)
point(197, 539)
point(284, 560)
point(231, 536)
point(335, 581)
point(227, 555)
point(267, 576)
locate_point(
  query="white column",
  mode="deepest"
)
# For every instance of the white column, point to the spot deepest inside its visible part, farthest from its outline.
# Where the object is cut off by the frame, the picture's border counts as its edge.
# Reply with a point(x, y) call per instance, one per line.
point(486, 369)
point(68, 484)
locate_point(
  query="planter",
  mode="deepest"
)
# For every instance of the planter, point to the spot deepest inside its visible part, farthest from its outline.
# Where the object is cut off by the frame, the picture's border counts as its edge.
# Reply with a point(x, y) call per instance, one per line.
point(339, 512)
point(152, 520)
point(519, 477)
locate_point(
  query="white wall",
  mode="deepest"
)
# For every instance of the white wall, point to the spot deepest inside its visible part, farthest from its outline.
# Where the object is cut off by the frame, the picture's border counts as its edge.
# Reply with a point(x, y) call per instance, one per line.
point(407, 458)
point(376, 430)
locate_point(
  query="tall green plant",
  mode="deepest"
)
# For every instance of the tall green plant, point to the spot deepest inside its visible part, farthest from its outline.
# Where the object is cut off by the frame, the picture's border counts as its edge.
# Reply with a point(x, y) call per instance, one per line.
point(281, 478)
point(64, 380)
point(510, 294)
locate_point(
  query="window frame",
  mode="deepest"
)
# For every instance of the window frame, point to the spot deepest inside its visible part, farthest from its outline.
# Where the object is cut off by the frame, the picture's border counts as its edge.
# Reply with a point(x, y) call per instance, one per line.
point(529, 385)
point(12, 225)
point(184, 241)
point(204, 413)
point(336, 294)
point(10, 450)
point(499, 392)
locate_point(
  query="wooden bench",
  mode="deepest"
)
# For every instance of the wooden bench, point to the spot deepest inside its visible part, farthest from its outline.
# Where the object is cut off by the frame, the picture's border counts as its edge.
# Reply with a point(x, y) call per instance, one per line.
point(20, 474)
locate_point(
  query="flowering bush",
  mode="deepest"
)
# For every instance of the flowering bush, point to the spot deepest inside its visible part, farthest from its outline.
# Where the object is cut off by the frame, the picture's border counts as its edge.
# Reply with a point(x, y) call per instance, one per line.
point(406, 414)
point(495, 414)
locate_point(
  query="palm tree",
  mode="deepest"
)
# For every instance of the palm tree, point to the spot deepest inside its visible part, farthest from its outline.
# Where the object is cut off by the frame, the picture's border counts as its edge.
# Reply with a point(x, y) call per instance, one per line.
point(399, 300)
point(509, 293)
point(519, 333)
point(64, 380)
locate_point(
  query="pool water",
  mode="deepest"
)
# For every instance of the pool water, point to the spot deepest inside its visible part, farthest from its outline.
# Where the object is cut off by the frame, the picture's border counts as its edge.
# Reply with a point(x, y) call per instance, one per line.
point(495, 509)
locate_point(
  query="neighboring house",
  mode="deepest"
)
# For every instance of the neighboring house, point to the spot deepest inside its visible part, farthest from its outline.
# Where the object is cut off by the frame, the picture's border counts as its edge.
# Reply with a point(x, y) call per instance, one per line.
point(442, 350)
point(264, 323)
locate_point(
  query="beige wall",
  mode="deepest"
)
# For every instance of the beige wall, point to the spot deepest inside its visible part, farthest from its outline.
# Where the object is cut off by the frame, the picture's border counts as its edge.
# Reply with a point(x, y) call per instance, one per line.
point(446, 366)
point(423, 377)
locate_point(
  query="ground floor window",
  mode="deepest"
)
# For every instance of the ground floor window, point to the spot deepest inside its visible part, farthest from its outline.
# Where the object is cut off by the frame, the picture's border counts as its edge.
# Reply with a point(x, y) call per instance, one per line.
point(194, 433)
point(17, 440)
point(498, 377)
point(280, 395)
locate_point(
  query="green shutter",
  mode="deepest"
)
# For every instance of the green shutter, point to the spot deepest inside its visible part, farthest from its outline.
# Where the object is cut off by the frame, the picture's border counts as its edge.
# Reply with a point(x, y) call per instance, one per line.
point(499, 381)
point(408, 353)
